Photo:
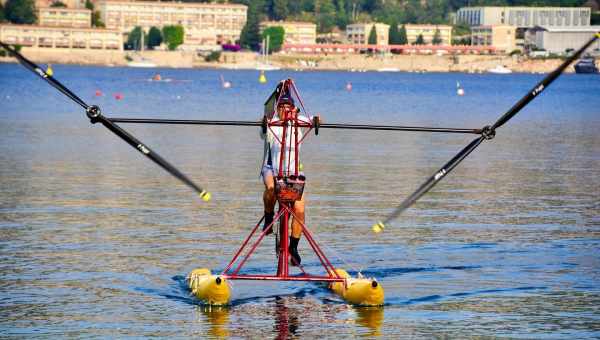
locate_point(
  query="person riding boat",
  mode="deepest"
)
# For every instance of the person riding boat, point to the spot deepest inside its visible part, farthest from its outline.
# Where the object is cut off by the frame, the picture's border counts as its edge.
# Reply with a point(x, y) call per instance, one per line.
point(270, 170)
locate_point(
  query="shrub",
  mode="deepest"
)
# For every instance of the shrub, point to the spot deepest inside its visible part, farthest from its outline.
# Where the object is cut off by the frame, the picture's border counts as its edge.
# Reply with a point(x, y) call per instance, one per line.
point(213, 56)
point(173, 36)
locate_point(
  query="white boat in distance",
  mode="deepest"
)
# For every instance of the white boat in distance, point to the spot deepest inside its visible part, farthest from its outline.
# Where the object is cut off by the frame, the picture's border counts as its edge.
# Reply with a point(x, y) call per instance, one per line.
point(263, 63)
point(388, 69)
point(499, 69)
point(138, 60)
point(266, 67)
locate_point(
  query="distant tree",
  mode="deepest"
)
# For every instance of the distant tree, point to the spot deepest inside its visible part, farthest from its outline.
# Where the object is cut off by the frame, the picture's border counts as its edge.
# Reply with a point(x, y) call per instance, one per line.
point(5, 53)
point(276, 36)
point(280, 9)
point(595, 18)
point(173, 36)
point(341, 17)
point(2, 17)
point(420, 40)
point(96, 21)
point(134, 38)
point(250, 36)
point(325, 13)
point(58, 4)
point(20, 11)
point(437, 37)
point(412, 10)
point(154, 37)
point(403, 39)
point(394, 38)
point(372, 36)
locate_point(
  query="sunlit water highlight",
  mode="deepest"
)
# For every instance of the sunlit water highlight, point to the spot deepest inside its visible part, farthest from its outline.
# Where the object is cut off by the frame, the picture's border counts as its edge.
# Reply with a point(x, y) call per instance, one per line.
point(96, 240)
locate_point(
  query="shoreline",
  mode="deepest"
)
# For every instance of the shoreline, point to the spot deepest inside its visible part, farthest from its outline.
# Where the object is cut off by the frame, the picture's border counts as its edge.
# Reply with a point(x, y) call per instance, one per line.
point(299, 62)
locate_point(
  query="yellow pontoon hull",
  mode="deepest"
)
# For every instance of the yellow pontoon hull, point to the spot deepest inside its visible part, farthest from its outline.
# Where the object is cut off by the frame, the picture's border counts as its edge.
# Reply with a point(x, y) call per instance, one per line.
point(211, 289)
point(358, 291)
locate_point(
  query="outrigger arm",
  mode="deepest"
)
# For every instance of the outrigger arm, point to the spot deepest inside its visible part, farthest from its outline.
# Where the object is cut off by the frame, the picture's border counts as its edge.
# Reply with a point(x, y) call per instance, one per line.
point(487, 133)
point(95, 115)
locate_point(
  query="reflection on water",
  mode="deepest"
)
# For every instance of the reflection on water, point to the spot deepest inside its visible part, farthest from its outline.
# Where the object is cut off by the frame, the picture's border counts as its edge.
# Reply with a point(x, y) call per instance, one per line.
point(217, 318)
point(92, 234)
point(371, 318)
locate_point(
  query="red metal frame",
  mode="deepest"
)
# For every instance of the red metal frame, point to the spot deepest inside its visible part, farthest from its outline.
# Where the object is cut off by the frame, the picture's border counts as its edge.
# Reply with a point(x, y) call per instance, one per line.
point(291, 120)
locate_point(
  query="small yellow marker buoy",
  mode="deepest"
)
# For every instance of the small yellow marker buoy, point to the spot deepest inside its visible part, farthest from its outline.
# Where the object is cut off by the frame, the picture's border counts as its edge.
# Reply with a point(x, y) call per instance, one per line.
point(49, 70)
point(205, 195)
point(378, 227)
point(262, 78)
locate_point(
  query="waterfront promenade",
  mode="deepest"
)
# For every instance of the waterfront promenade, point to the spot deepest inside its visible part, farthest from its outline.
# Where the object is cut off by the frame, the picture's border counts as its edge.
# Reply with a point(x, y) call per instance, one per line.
point(336, 62)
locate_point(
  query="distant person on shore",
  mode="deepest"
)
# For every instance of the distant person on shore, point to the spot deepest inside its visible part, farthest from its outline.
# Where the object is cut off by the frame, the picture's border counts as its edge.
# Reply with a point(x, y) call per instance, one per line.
point(270, 169)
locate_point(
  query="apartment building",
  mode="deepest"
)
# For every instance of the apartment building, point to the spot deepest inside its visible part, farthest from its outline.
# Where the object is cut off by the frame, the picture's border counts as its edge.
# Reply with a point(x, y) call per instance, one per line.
point(295, 32)
point(359, 33)
point(69, 3)
point(502, 37)
point(525, 17)
point(428, 33)
point(64, 17)
point(560, 40)
point(203, 23)
point(61, 37)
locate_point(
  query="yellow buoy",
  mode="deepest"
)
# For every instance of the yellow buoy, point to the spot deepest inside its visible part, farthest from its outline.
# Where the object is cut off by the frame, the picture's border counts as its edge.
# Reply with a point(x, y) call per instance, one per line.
point(211, 289)
point(262, 78)
point(358, 291)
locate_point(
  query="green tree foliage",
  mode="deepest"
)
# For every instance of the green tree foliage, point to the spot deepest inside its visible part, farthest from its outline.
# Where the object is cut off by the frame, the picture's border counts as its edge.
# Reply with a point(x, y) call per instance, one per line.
point(96, 21)
point(276, 36)
point(2, 17)
point(20, 11)
point(154, 37)
point(325, 14)
point(213, 56)
point(403, 40)
point(280, 9)
point(394, 36)
point(342, 12)
point(372, 36)
point(5, 53)
point(341, 16)
point(330, 13)
point(250, 36)
point(420, 40)
point(134, 39)
point(173, 36)
point(58, 4)
point(594, 20)
point(437, 38)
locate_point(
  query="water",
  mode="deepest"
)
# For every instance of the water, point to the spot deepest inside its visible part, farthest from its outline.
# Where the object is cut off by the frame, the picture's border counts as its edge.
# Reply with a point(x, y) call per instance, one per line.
point(96, 240)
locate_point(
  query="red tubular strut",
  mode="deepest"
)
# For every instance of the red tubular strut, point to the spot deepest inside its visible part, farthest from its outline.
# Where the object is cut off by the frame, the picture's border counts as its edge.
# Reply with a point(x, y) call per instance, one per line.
point(289, 120)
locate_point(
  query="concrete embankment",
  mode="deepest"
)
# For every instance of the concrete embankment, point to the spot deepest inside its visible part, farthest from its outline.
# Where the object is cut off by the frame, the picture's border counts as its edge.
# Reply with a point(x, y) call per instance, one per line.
point(247, 60)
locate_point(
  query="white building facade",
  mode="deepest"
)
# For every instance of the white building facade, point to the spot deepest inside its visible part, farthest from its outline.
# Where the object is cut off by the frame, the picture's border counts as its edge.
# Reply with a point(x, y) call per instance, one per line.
point(525, 17)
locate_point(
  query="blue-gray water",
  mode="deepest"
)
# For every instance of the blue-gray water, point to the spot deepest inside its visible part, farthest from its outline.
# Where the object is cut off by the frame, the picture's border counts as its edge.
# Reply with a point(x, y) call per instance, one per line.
point(95, 239)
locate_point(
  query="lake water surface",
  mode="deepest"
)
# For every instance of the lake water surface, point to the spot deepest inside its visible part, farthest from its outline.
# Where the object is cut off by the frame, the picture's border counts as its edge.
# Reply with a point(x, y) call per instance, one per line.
point(95, 240)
